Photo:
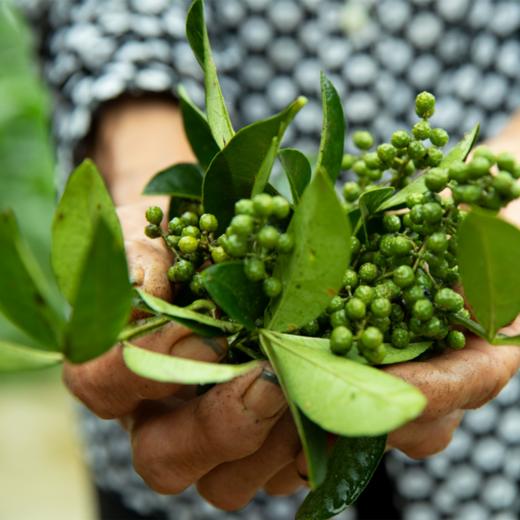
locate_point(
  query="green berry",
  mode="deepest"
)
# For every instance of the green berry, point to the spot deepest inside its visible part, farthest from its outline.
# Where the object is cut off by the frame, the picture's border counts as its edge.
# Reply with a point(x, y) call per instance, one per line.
point(262, 205)
point(365, 293)
point(436, 179)
point(392, 223)
point(244, 207)
point(421, 130)
point(400, 139)
point(311, 329)
point(404, 276)
point(470, 193)
point(484, 151)
point(448, 300)
point(422, 309)
point(355, 245)
point(432, 212)
point(196, 285)
point(400, 338)
point(272, 287)
point(350, 279)
point(434, 328)
point(414, 199)
point(363, 139)
point(181, 271)
point(154, 215)
point(456, 339)
point(336, 304)
point(439, 137)
point(347, 161)
point(458, 171)
point(208, 222)
point(268, 237)
point(189, 218)
point(506, 161)
point(386, 153)
point(434, 156)
point(255, 269)
point(173, 241)
point(355, 308)
point(152, 231)
point(425, 104)
point(242, 225)
point(175, 226)
point(401, 245)
point(371, 338)
point(341, 340)
point(372, 161)
point(360, 168)
point(188, 244)
point(281, 207)
point(413, 294)
point(368, 272)
point(416, 214)
point(437, 242)
point(381, 307)
point(285, 243)
point(191, 231)
point(236, 246)
point(219, 255)
point(416, 150)
point(376, 355)
point(503, 182)
point(351, 191)
point(338, 318)
point(478, 167)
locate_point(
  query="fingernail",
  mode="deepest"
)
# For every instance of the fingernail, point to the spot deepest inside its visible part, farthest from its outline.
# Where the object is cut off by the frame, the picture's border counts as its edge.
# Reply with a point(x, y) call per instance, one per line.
point(200, 349)
point(265, 397)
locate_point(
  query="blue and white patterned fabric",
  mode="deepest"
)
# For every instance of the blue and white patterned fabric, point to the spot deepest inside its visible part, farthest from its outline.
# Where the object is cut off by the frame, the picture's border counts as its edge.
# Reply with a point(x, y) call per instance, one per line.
point(379, 55)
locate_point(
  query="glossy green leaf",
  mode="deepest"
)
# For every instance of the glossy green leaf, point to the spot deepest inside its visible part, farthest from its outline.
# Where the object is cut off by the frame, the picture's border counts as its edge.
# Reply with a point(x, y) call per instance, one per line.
point(458, 153)
point(23, 292)
point(266, 167)
point(103, 298)
point(200, 323)
point(370, 200)
point(18, 358)
point(312, 273)
point(470, 325)
point(333, 131)
point(240, 298)
point(197, 34)
point(400, 355)
point(172, 369)
point(237, 166)
point(298, 171)
point(84, 201)
point(180, 180)
point(488, 253)
point(197, 130)
point(351, 466)
point(371, 401)
point(503, 339)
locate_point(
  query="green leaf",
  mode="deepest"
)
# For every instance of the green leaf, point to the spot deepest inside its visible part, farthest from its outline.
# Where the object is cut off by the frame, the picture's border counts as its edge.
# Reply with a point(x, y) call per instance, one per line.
point(238, 166)
point(370, 200)
point(469, 324)
point(371, 401)
point(172, 369)
point(240, 298)
point(84, 201)
point(312, 273)
point(18, 358)
point(351, 466)
point(298, 171)
point(502, 339)
point(197, 34)
point(488, 253)
point(180, 180)
point(103, 298)
point(458, 153)
point(23, 292)
point(197, 130)
point(200, 323)
point(333, 131)
point(400, 355)
point(264, 172)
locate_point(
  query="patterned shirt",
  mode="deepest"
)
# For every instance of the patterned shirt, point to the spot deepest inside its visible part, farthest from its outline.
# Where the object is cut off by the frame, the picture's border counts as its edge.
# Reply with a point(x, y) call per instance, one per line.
point(379, 55)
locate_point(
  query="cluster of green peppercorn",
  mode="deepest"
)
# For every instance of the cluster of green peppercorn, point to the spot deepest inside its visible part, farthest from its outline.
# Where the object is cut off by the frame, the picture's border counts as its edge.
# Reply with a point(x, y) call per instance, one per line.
point(399, 287)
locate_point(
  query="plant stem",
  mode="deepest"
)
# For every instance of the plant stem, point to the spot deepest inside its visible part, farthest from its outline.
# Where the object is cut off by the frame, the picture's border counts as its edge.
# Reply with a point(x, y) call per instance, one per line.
point(142, 327)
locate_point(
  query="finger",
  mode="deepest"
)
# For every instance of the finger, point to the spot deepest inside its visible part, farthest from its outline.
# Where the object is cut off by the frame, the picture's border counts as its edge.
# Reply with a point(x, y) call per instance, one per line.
point(174, 448)
point(286, 482)
point(419, 439)
point(108, 388)
point(232, 485)
point(462, 379)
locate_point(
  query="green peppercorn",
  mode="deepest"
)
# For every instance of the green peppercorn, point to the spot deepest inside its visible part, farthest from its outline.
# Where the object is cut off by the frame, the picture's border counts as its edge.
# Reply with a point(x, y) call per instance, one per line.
point(236, 246)
point(400, 338)
point(392, 223)
point(372, 161)
point(173, 241)
point(242, 225)
point(365, 293)
point(404, 276)
point(368, 272)
point(413, 294)
point(414, 199)
point(416, 150)
point(208, 222)
point(181, 271)
point(506, 161)
point(503, 182)
point(484, 151)
point(478, 167)
point(436, 179)
point(335, 304)
point(244, 207)
point(189, 218)
point(425, 104)
point(154, 215)
point(268, 237)
point(456, 339)
point(191, 231)
point(386, 153)
point(448, 300)
point(374, 175)
point(338, 318)
point(152, 231)
point(196, 285)
point(437, 242)
point(341, 340)
point(416, 326)
point(439, 137)
point(363, 139)
point(377, 355)
point(351, 191)
point(350, 279)
point(311, 329)
point(422, 309)
point(432, 212)
point(360, 168)
point(281, 207)
point(188, 244)
point(401, 245)
point(386, 244)
point(272, 287)
point(397, 313)
point(434, 156)
point(434, 328)
point(254, 268)
point(381, 307)
point(355, 308)
point(347, 161)
point(355, 245)
point(470, 193)
point(421, 130)
point(219, 255)
point(371, 338)
point(175, 226)
point(262, 205)
point(285, 243)
point(416, 213)
point(400, 139)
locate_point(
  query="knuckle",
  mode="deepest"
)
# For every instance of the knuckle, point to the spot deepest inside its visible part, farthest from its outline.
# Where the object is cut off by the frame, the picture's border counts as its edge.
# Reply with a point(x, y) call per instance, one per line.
point(226, 501)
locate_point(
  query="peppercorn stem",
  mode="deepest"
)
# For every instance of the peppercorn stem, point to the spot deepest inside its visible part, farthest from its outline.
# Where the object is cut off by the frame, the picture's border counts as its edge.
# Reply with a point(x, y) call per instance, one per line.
point(142, 327)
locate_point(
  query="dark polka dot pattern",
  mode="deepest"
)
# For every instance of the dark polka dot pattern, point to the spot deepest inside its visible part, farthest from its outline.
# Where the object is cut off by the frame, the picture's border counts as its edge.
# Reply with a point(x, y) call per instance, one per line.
point(379, 54)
